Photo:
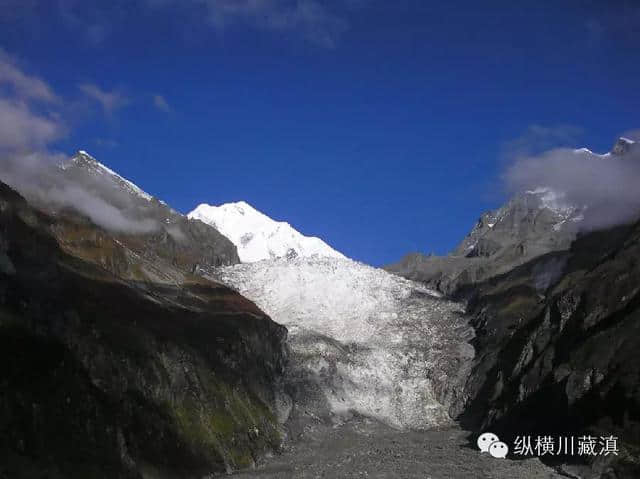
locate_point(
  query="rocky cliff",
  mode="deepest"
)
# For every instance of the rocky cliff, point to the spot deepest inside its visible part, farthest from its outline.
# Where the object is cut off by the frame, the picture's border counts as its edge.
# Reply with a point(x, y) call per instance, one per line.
point(558, 347)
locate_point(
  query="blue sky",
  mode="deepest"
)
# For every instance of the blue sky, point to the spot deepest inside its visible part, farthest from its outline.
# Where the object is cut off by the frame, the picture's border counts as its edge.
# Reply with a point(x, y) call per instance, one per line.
point(382, 127)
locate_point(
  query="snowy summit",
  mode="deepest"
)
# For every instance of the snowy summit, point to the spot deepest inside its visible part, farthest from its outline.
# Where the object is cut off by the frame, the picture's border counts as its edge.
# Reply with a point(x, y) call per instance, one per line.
point(257, 236)
point(89, 164)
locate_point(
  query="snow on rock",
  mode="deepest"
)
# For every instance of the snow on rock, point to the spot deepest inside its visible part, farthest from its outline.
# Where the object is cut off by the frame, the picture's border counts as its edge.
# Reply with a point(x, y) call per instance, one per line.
point(624, 145)
point(553, 201)
point(91, 165)
point(257, 236)
point(556, 201)
point(363, 341)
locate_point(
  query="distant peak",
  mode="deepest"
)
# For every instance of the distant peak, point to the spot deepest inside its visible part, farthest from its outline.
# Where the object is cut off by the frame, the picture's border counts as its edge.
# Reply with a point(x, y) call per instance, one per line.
point(79, 158)
point(622, 146)
point(583, 150)
point(83, 155)
point(236, 207)
point(84, 161)
point(257, 236)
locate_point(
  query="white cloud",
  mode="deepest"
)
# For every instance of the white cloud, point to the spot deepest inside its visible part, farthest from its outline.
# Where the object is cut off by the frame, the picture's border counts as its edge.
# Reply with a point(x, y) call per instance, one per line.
point(160, 102)
point(100, 211)
point(606, 185)
point(24, 86)
point(309, 17)
point(24, 124)
point(318, 21)
point(110, 101)
point(106, 142)
point(538, 138)
point(91, 20)
point(632, 134)
point(23, 129)
point(28, 164)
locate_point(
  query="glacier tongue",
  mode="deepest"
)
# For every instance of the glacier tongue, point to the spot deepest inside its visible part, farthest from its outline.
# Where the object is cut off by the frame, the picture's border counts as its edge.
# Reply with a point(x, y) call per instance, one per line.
point(363, 341)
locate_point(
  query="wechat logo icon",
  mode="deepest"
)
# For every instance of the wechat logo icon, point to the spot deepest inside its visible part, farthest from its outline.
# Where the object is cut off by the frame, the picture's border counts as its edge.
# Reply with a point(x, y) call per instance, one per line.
point(489, 442)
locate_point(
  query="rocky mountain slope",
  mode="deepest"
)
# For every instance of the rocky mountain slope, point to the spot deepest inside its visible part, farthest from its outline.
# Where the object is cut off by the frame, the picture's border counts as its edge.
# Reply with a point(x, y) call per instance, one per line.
point(117, 366)
point(152, 228)
point(529, 225)
point(532, 223)
point(558, 347)
point(555, 312)
point(257, 236)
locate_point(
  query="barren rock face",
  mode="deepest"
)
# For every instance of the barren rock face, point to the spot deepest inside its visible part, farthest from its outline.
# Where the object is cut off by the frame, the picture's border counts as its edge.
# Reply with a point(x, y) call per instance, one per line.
point(529, 225)
point(363, 341)
point(569, 340)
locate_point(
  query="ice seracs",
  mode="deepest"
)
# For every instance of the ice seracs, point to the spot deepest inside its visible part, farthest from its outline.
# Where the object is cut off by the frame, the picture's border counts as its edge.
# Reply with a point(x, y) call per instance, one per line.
point(363, 341)
point(257, 236)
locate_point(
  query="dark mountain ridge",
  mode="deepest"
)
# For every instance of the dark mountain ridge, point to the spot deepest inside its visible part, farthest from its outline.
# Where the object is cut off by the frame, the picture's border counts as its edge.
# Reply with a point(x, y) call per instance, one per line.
point(532, 223)
point(558, 347)
point(107, 373)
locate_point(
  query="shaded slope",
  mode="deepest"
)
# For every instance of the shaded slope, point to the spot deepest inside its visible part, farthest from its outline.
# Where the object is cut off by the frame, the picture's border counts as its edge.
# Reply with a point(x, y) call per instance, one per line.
point(105, 376)
point(558, 347)
point(156, 229)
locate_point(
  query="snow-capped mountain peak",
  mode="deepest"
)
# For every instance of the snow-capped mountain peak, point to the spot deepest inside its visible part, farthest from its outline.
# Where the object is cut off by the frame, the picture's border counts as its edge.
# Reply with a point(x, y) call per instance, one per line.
point(257, 236)
point(88, 163)
point(624, 145)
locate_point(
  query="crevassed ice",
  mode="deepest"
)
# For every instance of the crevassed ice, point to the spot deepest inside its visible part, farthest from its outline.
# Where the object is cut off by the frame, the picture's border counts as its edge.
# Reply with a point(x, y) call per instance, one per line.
point(369, 341)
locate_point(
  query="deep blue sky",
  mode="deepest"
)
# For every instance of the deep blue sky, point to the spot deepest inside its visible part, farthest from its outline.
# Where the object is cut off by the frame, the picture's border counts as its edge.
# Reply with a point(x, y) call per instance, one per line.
point(379, 126)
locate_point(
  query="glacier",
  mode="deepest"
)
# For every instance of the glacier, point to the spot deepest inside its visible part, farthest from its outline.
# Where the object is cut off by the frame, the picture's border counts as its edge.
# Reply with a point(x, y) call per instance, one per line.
point(363, 341)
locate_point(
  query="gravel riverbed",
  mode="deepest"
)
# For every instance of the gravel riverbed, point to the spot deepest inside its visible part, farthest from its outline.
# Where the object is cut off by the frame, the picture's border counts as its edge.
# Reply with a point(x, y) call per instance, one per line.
point(368, 449)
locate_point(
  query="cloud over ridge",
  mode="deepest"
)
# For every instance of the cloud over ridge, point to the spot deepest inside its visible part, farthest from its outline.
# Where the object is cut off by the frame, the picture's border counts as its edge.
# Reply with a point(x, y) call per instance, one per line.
point(607, 185)
point(30, 123)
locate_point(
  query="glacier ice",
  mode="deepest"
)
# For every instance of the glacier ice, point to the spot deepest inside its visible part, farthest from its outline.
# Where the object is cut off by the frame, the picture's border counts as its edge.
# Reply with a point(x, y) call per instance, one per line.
point(363, 341)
